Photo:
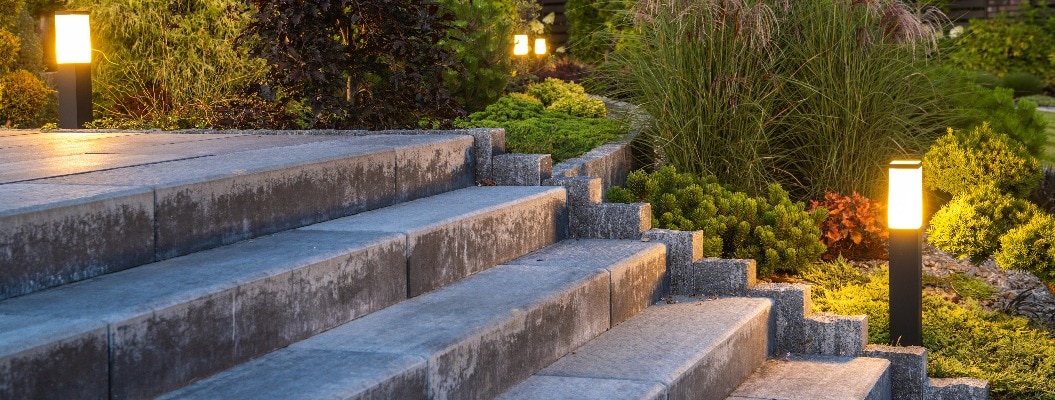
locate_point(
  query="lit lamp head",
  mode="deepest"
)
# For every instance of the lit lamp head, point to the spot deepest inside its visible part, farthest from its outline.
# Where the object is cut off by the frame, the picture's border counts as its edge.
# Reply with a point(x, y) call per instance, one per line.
point(540, 46)
point(73, 54)
point(520, 45)
point(73, 43)
point(905, 202)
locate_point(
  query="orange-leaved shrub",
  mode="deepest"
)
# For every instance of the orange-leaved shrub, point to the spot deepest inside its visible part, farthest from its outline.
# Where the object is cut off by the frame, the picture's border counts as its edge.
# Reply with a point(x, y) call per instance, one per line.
point(854, 228)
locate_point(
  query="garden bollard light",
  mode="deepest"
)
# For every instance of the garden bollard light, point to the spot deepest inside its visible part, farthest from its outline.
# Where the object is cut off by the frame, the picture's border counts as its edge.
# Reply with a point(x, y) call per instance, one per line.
point(904, 219)
point(73, 54)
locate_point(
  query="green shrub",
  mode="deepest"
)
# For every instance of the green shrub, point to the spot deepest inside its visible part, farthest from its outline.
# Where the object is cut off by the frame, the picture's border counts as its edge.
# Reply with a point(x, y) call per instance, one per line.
point(778, 233)
point(963, 160)
point(157, 60)
point(970, 287)
point(1019, 120)
point(972, 223)
point(552, 89)
point(1002, 45)
point(961, 340)
point(1041, 100)
point(594, 27)
point(23, 97)
point(480, 41)
point(531, 128)
point(817, 95)
point(363, 64)
point(1023, 83)
point(580, 107)
point(1030, 247)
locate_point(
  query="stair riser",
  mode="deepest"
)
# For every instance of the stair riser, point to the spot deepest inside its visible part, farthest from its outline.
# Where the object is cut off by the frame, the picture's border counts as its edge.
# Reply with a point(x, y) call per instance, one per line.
point(109, 229)
point(441, 256)
point(138, 220)
point(73, 368)
point(722, 370)
point(490, 364)
point(170, 348)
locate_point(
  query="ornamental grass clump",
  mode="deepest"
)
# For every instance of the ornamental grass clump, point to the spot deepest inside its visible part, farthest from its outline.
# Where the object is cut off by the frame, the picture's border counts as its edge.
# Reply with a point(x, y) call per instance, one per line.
point(817, 95)
point(773, 230)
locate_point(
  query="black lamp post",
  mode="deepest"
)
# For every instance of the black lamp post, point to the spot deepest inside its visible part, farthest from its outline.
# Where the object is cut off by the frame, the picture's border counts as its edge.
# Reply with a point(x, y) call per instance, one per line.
point(73, 55)
point(904, 219)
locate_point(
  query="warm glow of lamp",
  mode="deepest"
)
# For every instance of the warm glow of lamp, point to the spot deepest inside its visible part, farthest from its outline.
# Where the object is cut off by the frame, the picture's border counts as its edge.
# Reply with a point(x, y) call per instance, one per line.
point(540, 46)
point(905, 205)
point(520, 45)
point(73, 44)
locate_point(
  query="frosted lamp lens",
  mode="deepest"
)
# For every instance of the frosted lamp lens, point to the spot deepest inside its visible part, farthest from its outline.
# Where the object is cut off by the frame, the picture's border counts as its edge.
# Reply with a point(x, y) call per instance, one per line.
point(520, 45)
point(905, 206)
point(73, 43)
point(540, 46)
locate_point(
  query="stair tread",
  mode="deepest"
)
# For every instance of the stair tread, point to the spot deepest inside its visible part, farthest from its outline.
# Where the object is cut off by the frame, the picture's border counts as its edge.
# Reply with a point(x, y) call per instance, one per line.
point(661, 342)
point(818, 378)
point(489, 315)
point(433, 211)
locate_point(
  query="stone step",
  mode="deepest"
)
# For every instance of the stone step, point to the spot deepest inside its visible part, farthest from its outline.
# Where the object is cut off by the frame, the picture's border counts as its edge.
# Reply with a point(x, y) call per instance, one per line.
point(146, 330)
point(819, 378)
point(72, 217)
point(689, 350)
point(473, 339)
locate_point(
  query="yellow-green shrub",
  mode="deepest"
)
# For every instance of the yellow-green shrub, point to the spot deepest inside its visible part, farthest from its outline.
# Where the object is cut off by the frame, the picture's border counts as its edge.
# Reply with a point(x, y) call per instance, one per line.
point(963, 160)
point(23, 97)
point(579, 106)
point(972, 223)
point(553, 89)
point(1030, 247)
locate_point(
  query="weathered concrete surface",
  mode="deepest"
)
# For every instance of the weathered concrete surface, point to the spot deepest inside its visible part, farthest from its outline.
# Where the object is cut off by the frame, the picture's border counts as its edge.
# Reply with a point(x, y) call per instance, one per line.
point(211, 201)
point(522, 169)
point(48, 358)
point(696, 349)
point(836, 335)
point(683, 248)
point(582, 191)
point(721, 277)
point(320, 374)
point(456, 234)
point(819, 379)
point(611, 163)
point(56, 234)
point(486, 332)
point(957, 389)
point(541, 387)
point(908, 368)
point(791, 306)
point(611, 221)
point(182, 319)
point(637, 269)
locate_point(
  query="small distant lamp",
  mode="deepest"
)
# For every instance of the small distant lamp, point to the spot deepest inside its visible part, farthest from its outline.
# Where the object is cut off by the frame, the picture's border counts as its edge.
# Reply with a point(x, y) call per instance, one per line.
point(904, 219)
point(73, 54)
point(540, 46)
point(520, 45)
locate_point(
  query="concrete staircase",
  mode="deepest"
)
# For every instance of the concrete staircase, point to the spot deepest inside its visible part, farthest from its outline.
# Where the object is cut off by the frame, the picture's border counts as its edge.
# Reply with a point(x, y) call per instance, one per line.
point(235, 265)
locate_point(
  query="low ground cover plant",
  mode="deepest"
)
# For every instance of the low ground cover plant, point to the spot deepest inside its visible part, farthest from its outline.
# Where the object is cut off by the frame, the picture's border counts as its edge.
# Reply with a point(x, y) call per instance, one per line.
point(565, 126)
point(962, 339)
point(773, 230)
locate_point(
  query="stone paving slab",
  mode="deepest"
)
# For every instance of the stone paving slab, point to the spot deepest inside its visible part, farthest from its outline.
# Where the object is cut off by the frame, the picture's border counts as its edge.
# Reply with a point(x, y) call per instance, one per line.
point(696, 350)
point(834, 378)
point(544, 387)
point(477, 337)
point(182, 319)
point(54, 234)
point(446, 243)
point(53, 358)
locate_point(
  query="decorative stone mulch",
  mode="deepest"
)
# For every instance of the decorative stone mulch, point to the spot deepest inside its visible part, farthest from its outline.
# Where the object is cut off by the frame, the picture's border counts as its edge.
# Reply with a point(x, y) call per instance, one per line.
point(1017, 292)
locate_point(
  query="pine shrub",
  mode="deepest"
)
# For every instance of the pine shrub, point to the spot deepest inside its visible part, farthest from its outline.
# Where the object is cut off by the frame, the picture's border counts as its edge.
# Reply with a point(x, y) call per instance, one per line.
point(775, 231)
point(964, 160)
point(23, 97)
point(970, 226)
point(1030, 247)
